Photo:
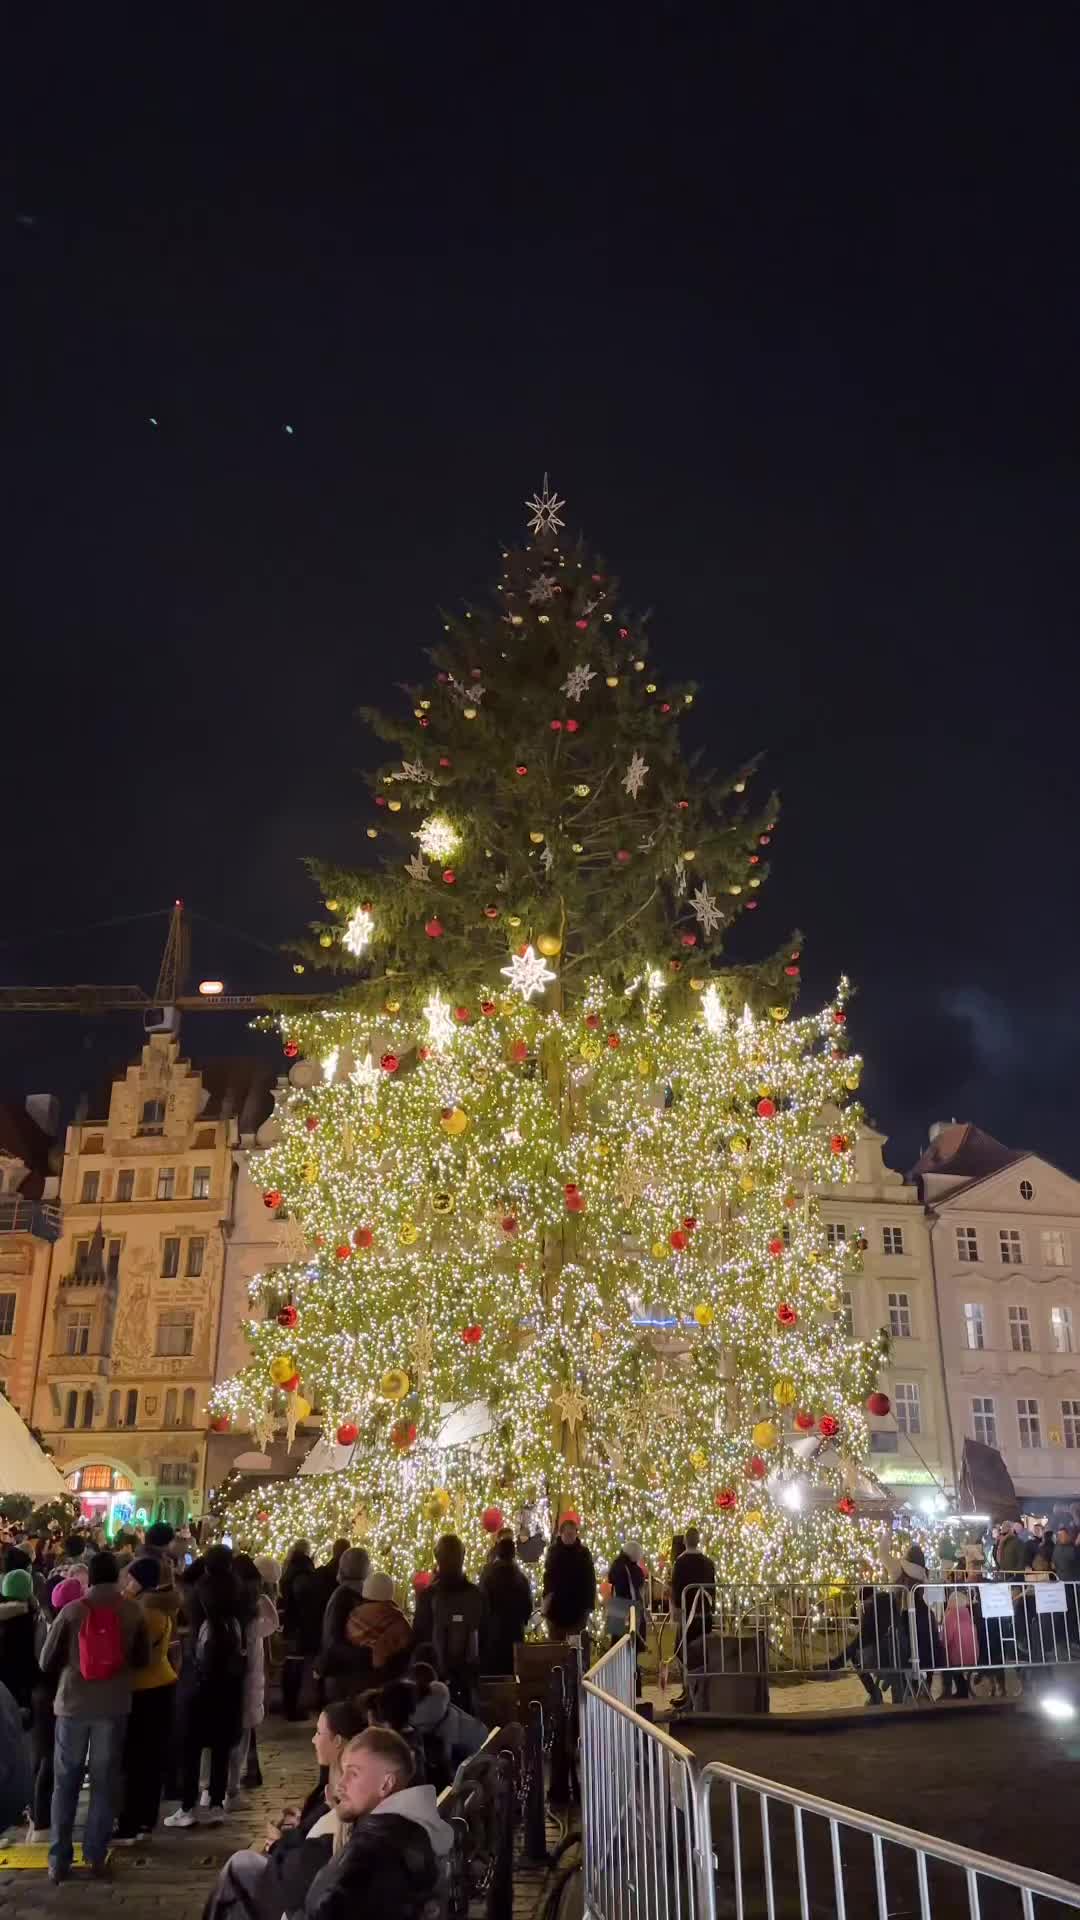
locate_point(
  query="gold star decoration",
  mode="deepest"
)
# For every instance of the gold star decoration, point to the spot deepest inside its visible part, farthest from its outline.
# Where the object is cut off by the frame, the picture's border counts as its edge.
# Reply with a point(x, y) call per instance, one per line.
point(632, 1180)
point(361, 1523)
point(571, 1405)
point(422, 1350)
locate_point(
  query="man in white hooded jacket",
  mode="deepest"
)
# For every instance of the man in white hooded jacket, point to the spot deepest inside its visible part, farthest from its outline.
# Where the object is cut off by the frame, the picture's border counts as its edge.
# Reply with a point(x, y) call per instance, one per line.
point(391, 1862)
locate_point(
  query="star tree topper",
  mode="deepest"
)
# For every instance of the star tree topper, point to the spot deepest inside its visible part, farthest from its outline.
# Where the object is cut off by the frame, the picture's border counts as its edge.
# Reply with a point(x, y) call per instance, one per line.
point(528, 973)
point(544, 510)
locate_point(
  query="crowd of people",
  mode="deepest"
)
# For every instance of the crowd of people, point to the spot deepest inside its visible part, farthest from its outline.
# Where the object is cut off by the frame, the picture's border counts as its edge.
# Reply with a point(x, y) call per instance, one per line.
point(144, 1668)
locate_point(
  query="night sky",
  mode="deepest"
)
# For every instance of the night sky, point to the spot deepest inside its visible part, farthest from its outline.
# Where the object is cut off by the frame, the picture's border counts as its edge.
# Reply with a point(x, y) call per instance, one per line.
point(786, 300)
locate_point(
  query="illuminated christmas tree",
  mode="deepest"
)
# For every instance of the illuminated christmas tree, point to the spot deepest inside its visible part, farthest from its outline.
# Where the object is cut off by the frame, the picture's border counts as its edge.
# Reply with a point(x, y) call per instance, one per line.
point(553, 1160)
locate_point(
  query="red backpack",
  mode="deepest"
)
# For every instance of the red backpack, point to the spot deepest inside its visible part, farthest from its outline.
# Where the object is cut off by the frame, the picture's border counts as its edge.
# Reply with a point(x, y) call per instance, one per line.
point(102, 1652)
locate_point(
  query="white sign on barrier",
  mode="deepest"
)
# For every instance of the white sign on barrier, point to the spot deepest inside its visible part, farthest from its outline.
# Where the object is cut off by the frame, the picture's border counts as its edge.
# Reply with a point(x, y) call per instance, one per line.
point(1050, 1596)
point(996, 1602)
point(934, 1596)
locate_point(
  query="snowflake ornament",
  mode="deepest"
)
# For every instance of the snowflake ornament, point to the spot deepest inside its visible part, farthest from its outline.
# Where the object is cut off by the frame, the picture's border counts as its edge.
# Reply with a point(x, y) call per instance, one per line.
point(437, 837)
point(577, 682)
point(358, 931)
point(528, 973)
point(544, 511)
point(706, 911)
point(440, 1021)
point(417, 868)
point(542, 589)
point(367, 1076)
point(634, 777)
point(413, 770)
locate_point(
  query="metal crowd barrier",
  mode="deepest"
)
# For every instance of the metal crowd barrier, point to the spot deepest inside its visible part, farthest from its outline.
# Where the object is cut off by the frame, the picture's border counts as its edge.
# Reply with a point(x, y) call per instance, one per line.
point(985, 1626)
point(479, 1806)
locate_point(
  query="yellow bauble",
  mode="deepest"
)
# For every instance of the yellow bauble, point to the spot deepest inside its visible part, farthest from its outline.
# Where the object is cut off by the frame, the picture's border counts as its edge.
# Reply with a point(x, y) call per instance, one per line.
point(577, 847)
point(591, 1049)
point(549, 945)
point(392, 1006)
point(703, 1314)
point(764, 1435)
point(754, 1518)
point(689, 853)
point(301, 1407)
point(469, 712)
point(738, 1145)
point(453, 1120)
point(747, 1183)
point(812, 1259)
point(696, 984)
point(331, 906)
point(536, 837)
point(660, 1249)
point(784, 1393)
point(851, 1081)
point(326, 939)
point(644, 1065)
point(603, 1149)
point(778, 1013)
point(513, 919)
point(394, 806)
point(582, 790)
point(698, 1460)
point(612, 680)
point(597, 1338)
point(408, 1234)
point(442, 1202)
point(832, 1301)
point(282, 1368)
point(436, 1504)
point(394, 1384)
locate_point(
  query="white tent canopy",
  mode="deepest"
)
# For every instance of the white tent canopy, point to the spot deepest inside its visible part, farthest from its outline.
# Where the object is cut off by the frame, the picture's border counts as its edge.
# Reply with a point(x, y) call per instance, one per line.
point(23, 1466)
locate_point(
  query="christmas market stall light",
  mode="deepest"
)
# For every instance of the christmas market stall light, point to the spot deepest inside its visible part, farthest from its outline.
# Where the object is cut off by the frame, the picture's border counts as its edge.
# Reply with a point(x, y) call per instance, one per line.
point(551, 1158)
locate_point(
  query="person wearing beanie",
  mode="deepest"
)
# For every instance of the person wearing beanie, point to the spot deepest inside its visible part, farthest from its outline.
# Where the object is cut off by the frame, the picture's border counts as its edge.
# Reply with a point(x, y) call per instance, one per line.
point(20, 1638)
point(153, 1697)
point(509, 1601)
point(377, 1623)
point(345, 1669)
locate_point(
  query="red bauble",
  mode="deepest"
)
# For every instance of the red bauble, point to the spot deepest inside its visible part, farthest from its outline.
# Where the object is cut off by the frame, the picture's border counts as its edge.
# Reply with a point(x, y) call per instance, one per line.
point(421, 1580)
point(444, 760)
point(461, 1015)
point(575, 1202)
point(682, 805)
point(450, 877)
point(262, 1517)
point(840, 1017)
point(287, 1317)
point(472, 1336)
point(776, 1248)
point(756, 1468)
point(271, 1198)
point(491, 913)
point(363, 1237)
point(678, 1239)
point(220, 1423)
point(623, 856)
point(491, 1519)
point(433, 929)
point(613, 1040)
point(312, 1121)
point(766, 1109)
point(347, 1434)
point(488, 1007)
point(786, 1315)
point(509, 1224)
point(389, 1063)
point(423, 1053)
point(754, 860)
point(750, 905)
point(592, 1021)
point(690, 1223)
point(804, 1420)
point(839, 1143)
point(829, 1426)
point(475, 673)
point(291, 1049)
point(570, 1187)
point(726, 1498)
point(344, 1252)
point(403, 1435)
point(424, 721)
point(519, 1051)
point(521, 772)
point(581, 625)
point(572, 726)
point(291, 1385)
point(846, 1505)
point(556, 726)
point(689, 939)
point(624, 633)
point(380, 800)
point(878, 1403)
point(665, 706)
point(792, 972)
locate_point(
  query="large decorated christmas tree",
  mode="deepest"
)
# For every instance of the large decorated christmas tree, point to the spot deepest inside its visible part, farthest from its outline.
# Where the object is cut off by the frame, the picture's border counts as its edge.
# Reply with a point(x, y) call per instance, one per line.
point(552, 1159)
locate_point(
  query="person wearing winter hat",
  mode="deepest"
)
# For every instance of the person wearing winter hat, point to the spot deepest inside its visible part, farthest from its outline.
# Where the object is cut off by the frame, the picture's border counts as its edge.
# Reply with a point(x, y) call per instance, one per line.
point(153, 1697)
point(20, 1637)
point(344, 1667)
point(376, 1627)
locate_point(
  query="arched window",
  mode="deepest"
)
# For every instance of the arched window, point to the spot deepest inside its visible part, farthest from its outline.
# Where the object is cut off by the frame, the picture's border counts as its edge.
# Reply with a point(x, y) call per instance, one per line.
point(131, 1411)
point(188, 1415)
point(170, 1407)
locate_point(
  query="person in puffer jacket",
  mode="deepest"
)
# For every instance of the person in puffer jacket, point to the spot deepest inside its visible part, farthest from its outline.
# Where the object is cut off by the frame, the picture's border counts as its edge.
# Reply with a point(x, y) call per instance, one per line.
point(450, 1735)
point(392, 1862)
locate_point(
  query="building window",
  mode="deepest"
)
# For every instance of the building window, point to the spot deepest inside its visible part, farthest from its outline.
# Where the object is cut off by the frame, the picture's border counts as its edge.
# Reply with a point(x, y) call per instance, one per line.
point(175, 1332)
point(1019, 1330)
point(1070, 1422)
point(200, 1184)
point(900, 1316)
point(1027, 1191)
point(187, 1416)
point(112, 1417)
point(112, 1261)
point(176, 1473)
point(77, 1330)
point(196, 1253)
point(1029, 1423)
point(907, 1406)
point(152, 1119)
point(7, 1315)
point(845, 1318)
point(170, 1257)
point(131, 1409)
point(1061, 1330)
point(90, 1184)
point(892, 1239)
point(984, 1420)
point(975, 1325)
point(166, 1183)
point(836, 1233)
point(967, 1244)
point(125, 1183)
point(71, 1409)
point(170, 1408)
point(88, 1409)
point(1009, 1247)
point(1055, 1247)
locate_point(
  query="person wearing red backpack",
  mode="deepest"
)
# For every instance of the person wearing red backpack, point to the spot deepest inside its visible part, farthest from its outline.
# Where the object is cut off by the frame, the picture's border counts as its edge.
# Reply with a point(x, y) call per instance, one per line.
point(96, 1643)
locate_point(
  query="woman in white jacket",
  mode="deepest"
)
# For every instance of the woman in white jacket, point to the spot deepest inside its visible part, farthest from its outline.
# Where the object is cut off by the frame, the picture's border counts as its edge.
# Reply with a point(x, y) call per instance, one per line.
point(263, 1623)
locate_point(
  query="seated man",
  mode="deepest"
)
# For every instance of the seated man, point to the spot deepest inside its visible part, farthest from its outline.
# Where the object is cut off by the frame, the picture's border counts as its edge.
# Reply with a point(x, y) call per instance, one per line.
point(390, 1864)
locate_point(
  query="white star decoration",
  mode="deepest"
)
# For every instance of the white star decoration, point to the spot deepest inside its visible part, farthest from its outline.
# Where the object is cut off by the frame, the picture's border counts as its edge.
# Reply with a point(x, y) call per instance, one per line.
point(358, 932)
point(416, 867)
point(547, 859)
point(542, 589)
point(366, 1075)
point(577, 682)
point(714, 1011)
point(634, 777)
point(440, 1025)
point(707, 912)
point(413, 770)
point(680, 879)
point(527, 973)
point(544, 510)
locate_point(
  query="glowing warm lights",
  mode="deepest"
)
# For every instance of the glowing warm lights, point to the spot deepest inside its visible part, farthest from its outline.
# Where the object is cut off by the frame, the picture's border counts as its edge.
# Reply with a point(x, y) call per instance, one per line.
point(437, 838)
point(358, 931)
point(528, 973)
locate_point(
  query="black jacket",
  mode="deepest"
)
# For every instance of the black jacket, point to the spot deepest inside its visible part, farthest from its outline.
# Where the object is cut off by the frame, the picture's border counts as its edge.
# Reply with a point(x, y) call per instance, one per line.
point(509, 1604)
point(302, 1608)
point(388, 1869)
point(346, 1669)
point(569, 1585)
point(451, 1614)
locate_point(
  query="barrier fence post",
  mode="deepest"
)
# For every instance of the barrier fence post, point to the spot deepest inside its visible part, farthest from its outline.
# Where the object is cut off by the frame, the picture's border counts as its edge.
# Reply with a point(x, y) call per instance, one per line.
point(534, 1832)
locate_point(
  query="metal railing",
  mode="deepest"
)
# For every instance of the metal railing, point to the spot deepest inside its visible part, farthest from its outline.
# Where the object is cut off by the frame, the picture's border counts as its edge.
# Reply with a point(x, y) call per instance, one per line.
point(798, 1854)
point(31, 1216)
point(986, 1626)
point(615, 1673)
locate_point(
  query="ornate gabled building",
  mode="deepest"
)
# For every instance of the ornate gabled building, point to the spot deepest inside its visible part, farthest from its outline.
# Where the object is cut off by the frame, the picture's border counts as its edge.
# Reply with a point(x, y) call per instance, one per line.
point(29, 1225)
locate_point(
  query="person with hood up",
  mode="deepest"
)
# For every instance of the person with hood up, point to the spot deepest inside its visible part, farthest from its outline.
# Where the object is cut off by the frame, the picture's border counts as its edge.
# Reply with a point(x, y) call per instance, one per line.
point(626, 1580)
point(153, 1701)
point(21, 1637)
point(301, 1620)
point(398, 1842)
point(569, 1581)
point(449, 1734)
point(327, 1573)
point(529, 1539)
point(508, 1598)
point(345, 1669)
point(451, 1616)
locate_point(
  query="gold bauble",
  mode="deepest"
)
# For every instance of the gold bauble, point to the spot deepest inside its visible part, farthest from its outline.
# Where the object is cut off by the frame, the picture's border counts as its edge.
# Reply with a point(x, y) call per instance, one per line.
point(660, 1249)
point(689, 853)
point(577, 847)
point(326, 939)
point(738, 1145)
point(612, 680)
point(696, 984)
point(764, 1435)
point(331, 906)
point(549, 944)
point(311, 1173)
point(282, 1368)
point(746, 1182)
point(392, 1006)
point(394, 1384)
point(408, 1234)
point(394, 806)
point(513, 919)
point(582, 790)
point(650, 686)
point(373, 833)
point(703, 1314)
point(778, 1013)
point(442, 1202)
point(698, 1460)
point(454, 1121)
point(851, 1081)
point(784, 1393)
point(644, 1065)
point(469, 712)
point(436, 1504)
point(754, 1517)
point(536, 837)
point(301, 1408)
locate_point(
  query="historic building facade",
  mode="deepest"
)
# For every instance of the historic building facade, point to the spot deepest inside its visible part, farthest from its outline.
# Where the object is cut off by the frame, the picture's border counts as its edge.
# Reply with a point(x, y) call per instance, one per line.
point(29, 1225)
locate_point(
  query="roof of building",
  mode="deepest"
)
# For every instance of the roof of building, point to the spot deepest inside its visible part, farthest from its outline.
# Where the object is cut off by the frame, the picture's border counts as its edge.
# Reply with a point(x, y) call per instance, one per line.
point(23, 1139)
point(241, 1086)
point(964, 1152)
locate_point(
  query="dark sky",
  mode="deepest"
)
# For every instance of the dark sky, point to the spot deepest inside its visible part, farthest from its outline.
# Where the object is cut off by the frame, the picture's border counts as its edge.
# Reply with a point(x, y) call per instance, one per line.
point(785, 298)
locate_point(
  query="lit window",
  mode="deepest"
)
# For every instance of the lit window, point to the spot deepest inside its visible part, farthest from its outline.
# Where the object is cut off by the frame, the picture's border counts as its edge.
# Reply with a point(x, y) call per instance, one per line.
point(892, 1239)
point(1070, 1422)
point(152, 1118)
point(125, 1183)
point(846, 1315)
point(196, 1253)
point(836, 1233)
point(984, 1420)
point(975, 1325)
point(1029, 1423)
point(1061, 1329)
point(200, 1184)
point(907, 1406)
point(1009, 1247)
point(1027, 1191)
point(1019, 1330)
point(1055, 1247)
point(170, 1258)
point(90, 1184)
point(900, 1316)
point(967, 1244)
point(77, 1330)
point(166, 1183)
point(176, 1331)
point(7, 1315)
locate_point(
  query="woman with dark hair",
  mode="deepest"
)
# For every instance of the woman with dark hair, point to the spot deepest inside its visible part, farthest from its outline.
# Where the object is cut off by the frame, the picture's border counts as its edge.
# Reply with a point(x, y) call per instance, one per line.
point(302, 1620)
point(220, 1612)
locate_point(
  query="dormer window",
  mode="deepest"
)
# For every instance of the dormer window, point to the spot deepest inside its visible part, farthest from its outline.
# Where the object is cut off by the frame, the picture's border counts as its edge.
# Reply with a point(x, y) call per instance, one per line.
point(152, 1118)
point(1027, 1191)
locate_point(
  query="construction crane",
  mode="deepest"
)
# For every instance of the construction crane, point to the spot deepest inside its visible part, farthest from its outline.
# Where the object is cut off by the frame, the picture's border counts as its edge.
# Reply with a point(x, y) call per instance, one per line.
point(161, 1009)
